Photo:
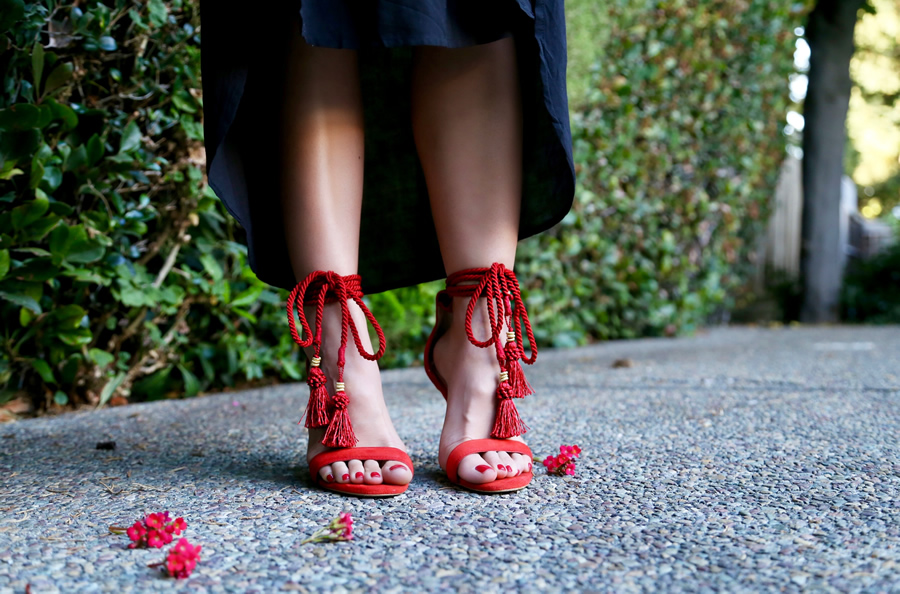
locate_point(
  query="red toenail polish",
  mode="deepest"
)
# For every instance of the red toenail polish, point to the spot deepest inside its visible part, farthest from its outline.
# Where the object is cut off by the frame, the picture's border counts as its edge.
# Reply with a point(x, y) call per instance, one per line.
point(376, 475)
point(396, 467)
point(346, 477)
point(529, 468)
point(482, 468)
point(329, 478)
point(359, 475)
point(509, 469)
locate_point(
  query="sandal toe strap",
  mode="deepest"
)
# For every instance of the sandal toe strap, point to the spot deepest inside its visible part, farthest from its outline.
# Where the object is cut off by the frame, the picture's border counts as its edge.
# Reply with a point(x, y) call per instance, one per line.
point(477, 446)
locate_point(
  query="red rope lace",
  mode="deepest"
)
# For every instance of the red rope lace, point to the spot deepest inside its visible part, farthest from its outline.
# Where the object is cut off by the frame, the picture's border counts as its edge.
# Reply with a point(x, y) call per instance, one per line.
point(317, 290)
point(504, 302)
point(499, 286)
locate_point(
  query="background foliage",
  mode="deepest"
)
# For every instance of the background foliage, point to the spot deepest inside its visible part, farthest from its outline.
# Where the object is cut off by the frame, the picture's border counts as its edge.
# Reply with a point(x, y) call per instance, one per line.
point(119, 272)
point(121, 276)
point(677, 146)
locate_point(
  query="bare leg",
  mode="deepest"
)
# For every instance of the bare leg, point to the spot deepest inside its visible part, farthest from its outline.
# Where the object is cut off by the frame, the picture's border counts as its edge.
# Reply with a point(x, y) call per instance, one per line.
point(323, 177)
point(467, 120)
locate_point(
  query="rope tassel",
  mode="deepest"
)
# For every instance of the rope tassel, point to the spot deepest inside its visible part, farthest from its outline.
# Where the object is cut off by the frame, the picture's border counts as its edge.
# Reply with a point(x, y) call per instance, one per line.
point(317, 408)
point(508, 423)
point(340, 431)
point(513, 352)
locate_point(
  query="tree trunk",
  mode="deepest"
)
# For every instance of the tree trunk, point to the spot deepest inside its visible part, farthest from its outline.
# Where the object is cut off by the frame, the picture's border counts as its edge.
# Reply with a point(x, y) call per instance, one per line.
point(830, 36)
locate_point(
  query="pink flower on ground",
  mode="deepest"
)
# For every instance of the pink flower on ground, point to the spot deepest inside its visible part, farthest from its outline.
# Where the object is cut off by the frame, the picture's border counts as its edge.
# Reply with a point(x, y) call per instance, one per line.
point(563, 463)
point(155, 531)
point(182, 559)
point(340, 528)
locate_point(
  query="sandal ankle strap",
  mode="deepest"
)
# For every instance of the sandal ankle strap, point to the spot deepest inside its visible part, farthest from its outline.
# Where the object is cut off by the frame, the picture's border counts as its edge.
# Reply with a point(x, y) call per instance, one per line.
point(316, 290)
point(499, 285)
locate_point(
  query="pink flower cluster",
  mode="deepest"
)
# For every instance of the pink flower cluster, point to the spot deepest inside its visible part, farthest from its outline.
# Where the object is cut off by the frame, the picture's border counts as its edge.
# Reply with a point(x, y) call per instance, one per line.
point(564, 463)
point(182, 559)
point(340, 528)
point(155, 531)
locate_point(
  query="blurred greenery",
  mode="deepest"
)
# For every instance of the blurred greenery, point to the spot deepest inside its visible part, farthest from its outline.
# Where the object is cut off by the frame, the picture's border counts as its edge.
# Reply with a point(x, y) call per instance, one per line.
point(871, 291)
point(122, 277)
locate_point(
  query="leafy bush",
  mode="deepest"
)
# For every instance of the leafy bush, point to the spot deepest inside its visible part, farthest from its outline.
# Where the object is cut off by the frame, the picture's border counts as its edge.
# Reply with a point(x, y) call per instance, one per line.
point(677, 149)
point(871, 291)
point(119, 271)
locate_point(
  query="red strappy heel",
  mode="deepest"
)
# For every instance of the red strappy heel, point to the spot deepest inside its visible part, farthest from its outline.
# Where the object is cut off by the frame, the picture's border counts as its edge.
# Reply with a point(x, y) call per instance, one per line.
point(500, 287)
point(318, 289)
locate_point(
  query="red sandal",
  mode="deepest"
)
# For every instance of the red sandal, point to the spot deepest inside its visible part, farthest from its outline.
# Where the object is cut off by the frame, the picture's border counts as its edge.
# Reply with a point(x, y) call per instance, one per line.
point(322, 410)
point(504, 301)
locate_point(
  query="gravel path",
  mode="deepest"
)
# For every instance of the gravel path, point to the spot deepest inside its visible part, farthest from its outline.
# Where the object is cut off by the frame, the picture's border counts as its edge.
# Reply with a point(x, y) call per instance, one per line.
point(742, 459)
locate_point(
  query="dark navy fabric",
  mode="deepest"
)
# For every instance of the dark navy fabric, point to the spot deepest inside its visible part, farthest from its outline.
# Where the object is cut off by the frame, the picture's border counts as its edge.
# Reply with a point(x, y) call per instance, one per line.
point(242, 58)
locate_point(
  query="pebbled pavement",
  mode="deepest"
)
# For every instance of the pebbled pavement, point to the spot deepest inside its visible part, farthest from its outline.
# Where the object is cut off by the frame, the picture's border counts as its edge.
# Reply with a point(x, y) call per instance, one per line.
point(742, 459)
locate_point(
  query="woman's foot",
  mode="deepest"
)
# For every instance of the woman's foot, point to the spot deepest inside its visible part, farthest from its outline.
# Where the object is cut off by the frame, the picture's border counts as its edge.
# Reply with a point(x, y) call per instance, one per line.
point(471, 374)
point(368, 412)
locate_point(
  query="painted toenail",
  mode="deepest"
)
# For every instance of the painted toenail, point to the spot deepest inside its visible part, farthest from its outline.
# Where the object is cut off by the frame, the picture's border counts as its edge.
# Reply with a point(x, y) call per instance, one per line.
point(482, 468)
point(396, 467)
point(330, 478)
point(376, 475)
point(529, 467)
point(359, 475)
point(509, 469)
point(346, 477)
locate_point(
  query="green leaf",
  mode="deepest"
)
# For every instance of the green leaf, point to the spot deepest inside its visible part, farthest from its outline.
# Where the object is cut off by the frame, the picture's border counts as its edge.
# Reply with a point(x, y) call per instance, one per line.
point(131, 138)
point(10, 173)
point(110, 388)
point(21, 300)
point(77, 158)
point(76, 338)
point(4, 263)
point(60, 241)
point(247, 297)
point(37, 64)
point(94, 149)
point(60, 76)
point(43, 370)
point(211, 266)
point(108, 44)
point(63, 112)
point(184, 101)
point(24, 215)
point(191, 383)
point(158, 12)
point(60, 398)
point(101, 358)
point(21, 116)
point(85, 252)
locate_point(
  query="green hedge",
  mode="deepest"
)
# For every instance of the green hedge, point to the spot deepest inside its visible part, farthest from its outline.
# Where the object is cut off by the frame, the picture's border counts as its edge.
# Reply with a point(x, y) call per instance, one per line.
point(120, 273)
point(677, 146)
point(121, 276)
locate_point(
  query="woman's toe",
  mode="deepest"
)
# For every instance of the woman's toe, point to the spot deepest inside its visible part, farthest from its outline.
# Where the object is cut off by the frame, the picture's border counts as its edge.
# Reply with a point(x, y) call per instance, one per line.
point(341, 472)
point(327, 474)
point(357, 473)
point(475, 469)
point(493, 458)
point(521, 462)
point(372, 472)
point(512, 469)
point(396, 473)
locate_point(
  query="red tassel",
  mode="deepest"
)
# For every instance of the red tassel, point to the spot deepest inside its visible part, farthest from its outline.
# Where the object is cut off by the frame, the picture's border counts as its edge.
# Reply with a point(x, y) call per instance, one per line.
point(520, 385)
point(508, 423)
point(340, 431)
point(317, 408)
